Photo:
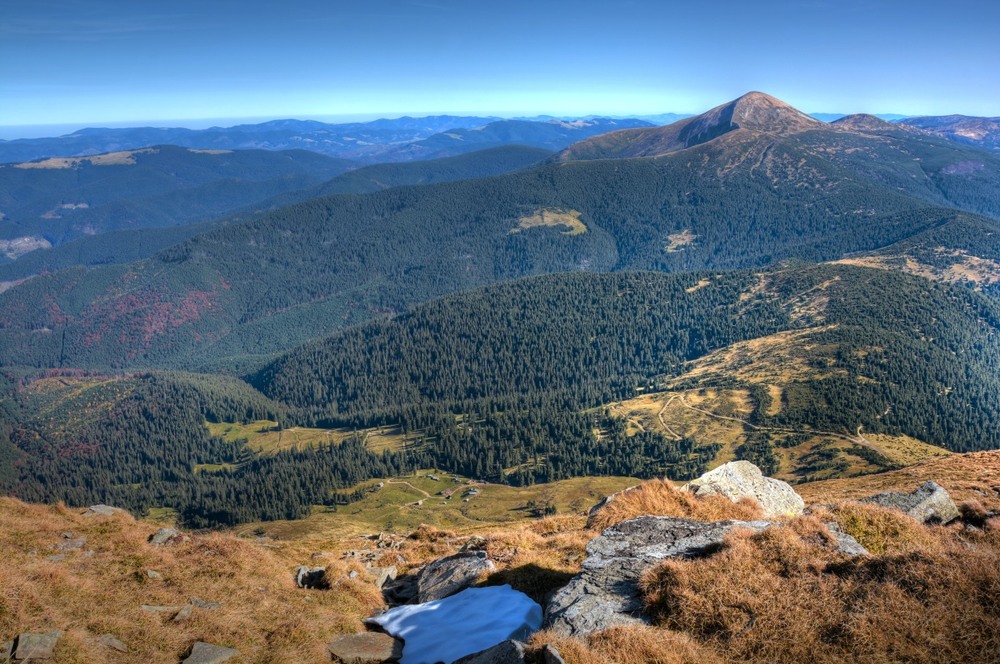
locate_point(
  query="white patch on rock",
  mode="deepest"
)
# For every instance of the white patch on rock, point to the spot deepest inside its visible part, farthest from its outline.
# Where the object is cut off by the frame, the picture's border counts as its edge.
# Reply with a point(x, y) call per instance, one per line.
point(741, 479)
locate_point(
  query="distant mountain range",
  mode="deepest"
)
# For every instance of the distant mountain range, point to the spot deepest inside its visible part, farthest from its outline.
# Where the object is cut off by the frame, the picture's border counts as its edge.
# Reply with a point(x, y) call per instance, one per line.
point(982, 132)
point(401, 139)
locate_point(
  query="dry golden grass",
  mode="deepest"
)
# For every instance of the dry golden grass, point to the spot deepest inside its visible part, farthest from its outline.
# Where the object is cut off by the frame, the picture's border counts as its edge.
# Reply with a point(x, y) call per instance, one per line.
point(627, 645)
point(262, 614)
point(661, 498)
point(123, 158)
point(778, 597)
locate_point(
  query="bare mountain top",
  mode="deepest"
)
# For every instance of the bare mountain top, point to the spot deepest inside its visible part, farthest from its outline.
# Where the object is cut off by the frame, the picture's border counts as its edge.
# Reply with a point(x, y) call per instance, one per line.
point(753, 111)
point(865, 122)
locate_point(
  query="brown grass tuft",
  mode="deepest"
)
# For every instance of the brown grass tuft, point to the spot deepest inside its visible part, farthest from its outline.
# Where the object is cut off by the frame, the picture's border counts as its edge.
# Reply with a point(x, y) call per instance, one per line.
point(661, 498)
point(880, 529)
point(627, 645)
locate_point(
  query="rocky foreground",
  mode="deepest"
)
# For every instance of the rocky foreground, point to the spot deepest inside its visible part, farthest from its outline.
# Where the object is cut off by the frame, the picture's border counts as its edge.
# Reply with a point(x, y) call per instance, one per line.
point(733, 566)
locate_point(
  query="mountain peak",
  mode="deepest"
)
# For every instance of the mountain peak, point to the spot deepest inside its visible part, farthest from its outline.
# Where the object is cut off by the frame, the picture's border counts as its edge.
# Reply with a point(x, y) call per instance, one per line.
point(754, 111)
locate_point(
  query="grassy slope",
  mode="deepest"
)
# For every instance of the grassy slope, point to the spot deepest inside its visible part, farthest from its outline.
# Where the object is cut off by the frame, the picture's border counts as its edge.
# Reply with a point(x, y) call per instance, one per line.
point(268, 620)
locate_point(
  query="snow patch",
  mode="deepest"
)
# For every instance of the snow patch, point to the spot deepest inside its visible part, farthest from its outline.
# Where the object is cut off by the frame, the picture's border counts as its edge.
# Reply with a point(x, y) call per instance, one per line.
point(469, 622)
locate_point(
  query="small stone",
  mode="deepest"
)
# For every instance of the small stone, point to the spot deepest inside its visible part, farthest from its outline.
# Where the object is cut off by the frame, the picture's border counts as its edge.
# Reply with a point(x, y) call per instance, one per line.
point(109, 641)
point(353, 574)
point(36, 646)
point(202, 604)
point(68, 534)
point(165, 536)
point(56, 558)
point(365, 648)
point(6, 651)
point(507, 652)
point(74, 544)
point(152, 608)
point(184, 614)
point(102, 510)
point(153, 575)
point(551, 656)
point(206, 653)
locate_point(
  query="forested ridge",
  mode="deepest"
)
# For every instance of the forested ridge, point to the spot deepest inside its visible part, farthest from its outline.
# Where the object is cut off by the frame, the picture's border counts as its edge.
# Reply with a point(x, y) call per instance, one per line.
point(234, 296)
point(507, 383)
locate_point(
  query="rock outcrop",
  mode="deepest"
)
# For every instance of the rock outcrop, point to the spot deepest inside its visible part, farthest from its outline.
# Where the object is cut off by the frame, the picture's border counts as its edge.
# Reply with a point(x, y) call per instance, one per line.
point(929, 503)
point(741, 479)
point(606, 592)
point(165, 536)
point(365, 648)
point(447, 576)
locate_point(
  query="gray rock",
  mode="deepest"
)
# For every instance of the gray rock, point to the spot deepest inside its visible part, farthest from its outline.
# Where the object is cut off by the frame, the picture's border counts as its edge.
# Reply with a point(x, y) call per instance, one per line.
point(383, 575)
point(36, 645)
point(6, 651)
point(929, 503)
point(165, 536)
point(606, 592)
point(311, 577)
point(447, 576)
point(742, 479)
point(109, 641)
point(202, 604)
point(153, 575)
point(57, 558)
point(71, 544)
point(366, 648)
point(551, 656)
point(206, 653)
point(103, 510)
point(507, 652)
point(184, 614)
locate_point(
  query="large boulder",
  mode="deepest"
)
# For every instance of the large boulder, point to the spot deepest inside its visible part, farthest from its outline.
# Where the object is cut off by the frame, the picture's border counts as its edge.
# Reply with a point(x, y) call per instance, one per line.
point(365, 648)
point(741, 479)
point(447, 576)
point(470, 622)
point(606, 592)
point(929, 503)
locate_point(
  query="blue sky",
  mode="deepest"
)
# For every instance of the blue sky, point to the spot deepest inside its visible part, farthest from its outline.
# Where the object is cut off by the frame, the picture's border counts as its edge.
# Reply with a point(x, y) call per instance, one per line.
point(114, 62)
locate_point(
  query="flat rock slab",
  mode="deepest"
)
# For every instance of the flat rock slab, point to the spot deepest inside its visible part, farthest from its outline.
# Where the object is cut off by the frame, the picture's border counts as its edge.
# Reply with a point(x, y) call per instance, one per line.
point(929, 503)
point(165, 536)
point(508, 652)
point(366, 648)
point(36, 646)
point(741, 479)
point(606, 592)
point(207, 653)
point(450, 575)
